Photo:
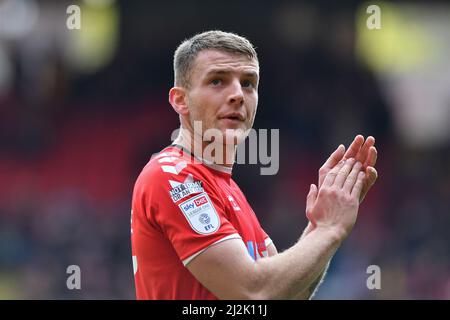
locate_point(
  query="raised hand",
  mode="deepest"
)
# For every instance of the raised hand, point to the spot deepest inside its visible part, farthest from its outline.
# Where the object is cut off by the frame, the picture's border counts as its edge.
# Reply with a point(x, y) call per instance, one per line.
point(362, 151)
point(335, 204)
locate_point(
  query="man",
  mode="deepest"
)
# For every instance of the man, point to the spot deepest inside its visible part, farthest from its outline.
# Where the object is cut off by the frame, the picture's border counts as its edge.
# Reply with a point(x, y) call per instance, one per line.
point(194, 235)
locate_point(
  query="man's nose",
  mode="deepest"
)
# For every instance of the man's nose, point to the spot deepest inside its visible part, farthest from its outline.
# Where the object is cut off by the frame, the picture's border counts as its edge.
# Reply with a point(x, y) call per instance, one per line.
point(236, 94)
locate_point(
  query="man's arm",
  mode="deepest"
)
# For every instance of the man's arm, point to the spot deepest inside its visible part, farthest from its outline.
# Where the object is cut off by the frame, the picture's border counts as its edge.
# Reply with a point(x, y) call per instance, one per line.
point(227, 270)
point(366, 153)
point(312, 289)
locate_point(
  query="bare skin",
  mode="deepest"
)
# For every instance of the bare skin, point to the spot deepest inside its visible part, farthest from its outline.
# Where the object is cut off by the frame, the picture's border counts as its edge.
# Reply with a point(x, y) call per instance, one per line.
point(223, 94)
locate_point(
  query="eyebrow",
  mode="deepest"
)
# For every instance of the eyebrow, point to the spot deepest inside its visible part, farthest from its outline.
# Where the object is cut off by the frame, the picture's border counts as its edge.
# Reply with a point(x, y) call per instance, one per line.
point(250, 74)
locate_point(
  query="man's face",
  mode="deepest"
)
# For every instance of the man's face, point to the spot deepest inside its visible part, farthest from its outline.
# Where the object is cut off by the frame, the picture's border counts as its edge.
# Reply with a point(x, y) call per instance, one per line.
point(223, 91)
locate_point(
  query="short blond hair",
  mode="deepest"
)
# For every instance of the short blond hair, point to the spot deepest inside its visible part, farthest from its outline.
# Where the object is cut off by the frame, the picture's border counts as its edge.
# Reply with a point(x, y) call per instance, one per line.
point(188, 50)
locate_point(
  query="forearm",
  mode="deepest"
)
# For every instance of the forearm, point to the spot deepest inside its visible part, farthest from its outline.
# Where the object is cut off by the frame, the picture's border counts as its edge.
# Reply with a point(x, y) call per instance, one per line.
point(292, 272)
point(312, 289)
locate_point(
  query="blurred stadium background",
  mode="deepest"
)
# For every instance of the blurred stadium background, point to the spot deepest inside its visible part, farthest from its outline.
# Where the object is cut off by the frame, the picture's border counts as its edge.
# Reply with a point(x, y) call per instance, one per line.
point(81, 112)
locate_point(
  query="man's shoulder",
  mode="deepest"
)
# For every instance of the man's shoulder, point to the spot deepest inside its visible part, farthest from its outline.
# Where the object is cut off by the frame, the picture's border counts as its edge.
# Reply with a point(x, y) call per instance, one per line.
point(169, 168)
point(173, 176)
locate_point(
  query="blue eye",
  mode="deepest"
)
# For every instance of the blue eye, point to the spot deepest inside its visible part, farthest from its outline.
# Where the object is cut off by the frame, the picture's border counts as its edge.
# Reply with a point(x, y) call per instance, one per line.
point(216, 82)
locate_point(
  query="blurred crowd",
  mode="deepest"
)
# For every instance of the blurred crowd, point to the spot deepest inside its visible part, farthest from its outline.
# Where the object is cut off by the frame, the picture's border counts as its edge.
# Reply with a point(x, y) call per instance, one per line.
point(72, 145)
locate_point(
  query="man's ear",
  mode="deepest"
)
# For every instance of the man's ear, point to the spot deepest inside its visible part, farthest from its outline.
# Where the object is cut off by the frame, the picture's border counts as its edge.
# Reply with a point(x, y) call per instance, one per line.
point(178, 100)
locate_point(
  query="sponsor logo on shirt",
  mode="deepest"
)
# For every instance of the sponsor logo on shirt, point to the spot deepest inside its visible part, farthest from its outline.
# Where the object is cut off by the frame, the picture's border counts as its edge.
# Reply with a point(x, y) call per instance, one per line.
point(200, 201)
point(204, 218)
point(184, 189)
point(201, 214)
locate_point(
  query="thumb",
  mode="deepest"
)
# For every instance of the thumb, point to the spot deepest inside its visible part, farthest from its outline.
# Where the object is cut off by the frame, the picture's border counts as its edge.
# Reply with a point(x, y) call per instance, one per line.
point(311, 197)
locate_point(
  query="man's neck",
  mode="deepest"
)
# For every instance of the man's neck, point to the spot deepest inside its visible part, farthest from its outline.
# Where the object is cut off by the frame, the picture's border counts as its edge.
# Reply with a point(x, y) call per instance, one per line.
point(219, 154)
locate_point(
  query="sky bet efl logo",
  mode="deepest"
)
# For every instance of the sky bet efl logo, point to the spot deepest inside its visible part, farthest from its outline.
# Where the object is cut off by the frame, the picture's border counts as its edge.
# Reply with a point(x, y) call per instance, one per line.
point(201, 214)
point(197, 203)
point(200, 201)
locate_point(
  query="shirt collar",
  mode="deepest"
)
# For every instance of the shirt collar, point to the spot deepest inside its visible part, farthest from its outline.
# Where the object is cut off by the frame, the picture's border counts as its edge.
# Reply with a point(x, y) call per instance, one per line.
point(207, 163)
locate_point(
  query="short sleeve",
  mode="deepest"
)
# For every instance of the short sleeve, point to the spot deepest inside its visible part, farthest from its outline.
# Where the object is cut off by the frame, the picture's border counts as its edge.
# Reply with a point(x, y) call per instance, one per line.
point(189, 212)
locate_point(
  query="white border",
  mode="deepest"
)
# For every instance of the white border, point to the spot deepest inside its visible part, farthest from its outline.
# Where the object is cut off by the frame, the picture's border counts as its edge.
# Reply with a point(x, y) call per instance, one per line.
point(231, 236)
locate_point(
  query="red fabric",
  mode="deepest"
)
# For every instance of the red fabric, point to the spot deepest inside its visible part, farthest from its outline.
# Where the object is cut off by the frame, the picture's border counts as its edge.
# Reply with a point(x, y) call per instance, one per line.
point(163, 236)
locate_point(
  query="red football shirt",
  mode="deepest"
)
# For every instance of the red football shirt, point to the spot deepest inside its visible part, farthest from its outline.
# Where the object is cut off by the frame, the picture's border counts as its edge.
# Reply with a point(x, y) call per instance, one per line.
point(180, 207)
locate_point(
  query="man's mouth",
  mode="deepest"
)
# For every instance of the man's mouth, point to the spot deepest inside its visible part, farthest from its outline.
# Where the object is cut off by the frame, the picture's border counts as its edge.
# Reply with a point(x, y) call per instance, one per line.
point(235, 116)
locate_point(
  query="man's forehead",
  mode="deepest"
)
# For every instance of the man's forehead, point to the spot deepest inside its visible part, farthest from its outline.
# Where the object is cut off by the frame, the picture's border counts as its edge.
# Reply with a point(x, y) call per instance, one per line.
point(207, 60)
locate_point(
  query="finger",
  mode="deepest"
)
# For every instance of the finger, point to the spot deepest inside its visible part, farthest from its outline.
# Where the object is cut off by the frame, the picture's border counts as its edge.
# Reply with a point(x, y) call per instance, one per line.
point(371, 158)
point(311, 198)
point(334, 158)
point(329, 179)
point(353, 149)
point(351, 179)
point(364, 152)
point(371, 177)
point(357, 188)
point(373, 171)
point(344, 172)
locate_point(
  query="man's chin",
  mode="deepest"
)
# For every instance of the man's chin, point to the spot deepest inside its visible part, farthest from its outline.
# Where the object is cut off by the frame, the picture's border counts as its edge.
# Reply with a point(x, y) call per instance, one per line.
point(235, 136)
point(226, 135)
